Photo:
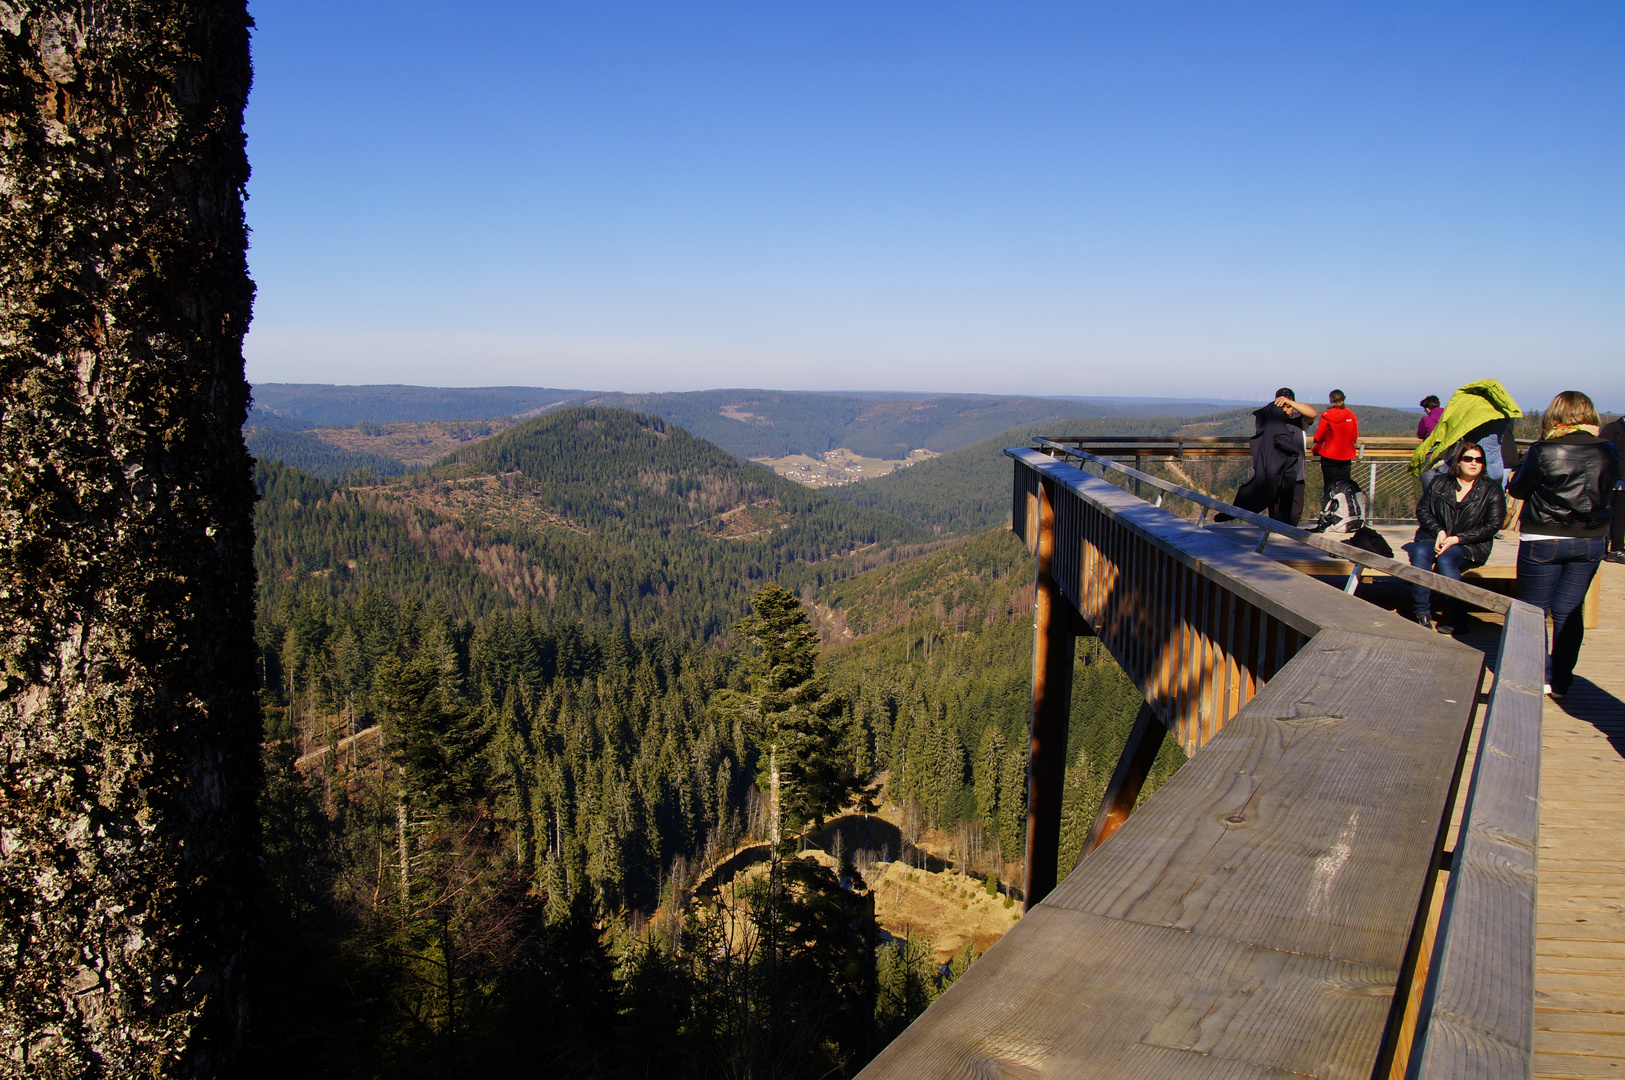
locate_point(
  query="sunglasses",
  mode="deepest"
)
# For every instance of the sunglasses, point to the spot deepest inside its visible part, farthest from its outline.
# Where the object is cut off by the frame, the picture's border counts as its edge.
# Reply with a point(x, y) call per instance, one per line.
point(1472, 457)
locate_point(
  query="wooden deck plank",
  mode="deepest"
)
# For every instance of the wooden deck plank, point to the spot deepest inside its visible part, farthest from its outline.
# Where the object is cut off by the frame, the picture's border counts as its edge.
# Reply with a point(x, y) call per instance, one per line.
point(1592, 1044)
point(1578, 1022)
point(1256, 915)
point(1580, 942)
point(1323, 814)
point(1085, 996)
point(1243, 921)
point(1566, 1067)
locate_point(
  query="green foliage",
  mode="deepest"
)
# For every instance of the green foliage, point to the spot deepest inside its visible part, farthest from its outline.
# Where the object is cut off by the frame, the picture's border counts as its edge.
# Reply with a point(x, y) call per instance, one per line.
point(774, 423)
point(307, 453)
point(590, 515)
point(308, 405)
point(942, 685)
point(787, 710)
point(533, 626)
point(906, 981)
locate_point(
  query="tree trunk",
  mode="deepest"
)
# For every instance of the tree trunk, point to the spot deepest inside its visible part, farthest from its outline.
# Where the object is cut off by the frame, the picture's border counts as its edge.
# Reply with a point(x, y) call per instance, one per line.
point(405, 851)
point(129, 727)
point(773, 787)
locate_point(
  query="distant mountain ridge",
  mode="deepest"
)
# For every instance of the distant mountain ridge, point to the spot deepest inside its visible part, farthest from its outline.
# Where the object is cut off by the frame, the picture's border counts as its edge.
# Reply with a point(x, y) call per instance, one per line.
point(298, 406)
point(589, 514)
point(746, 423)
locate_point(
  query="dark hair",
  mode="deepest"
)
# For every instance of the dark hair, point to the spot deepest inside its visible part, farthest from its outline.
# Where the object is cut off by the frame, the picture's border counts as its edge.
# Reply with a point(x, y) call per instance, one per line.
point(1336, 397)
point(1461, 451)
point(1286, 391)
point(1430, 402)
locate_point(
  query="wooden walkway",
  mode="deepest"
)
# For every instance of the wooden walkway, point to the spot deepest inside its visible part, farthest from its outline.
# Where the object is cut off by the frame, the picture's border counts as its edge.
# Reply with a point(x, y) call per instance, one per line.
point(1580, 950)
point(1258, 916)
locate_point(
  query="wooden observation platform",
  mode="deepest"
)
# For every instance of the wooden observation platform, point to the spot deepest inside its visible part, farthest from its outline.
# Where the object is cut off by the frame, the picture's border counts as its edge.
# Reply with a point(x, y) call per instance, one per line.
point(1354, 875)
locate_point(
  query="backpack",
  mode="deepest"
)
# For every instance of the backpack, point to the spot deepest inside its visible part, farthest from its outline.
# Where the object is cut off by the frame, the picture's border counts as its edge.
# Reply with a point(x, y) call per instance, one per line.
point(1369, 539)
point(1343, 511)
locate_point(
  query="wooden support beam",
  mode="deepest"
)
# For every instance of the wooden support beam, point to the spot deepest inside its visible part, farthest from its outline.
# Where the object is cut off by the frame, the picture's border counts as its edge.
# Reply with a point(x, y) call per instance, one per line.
point(1127, 779)
point(1054, 641)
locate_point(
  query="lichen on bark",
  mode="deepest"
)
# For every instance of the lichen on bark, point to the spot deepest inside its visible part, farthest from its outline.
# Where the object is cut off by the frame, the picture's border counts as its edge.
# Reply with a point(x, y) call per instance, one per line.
point(128, 722)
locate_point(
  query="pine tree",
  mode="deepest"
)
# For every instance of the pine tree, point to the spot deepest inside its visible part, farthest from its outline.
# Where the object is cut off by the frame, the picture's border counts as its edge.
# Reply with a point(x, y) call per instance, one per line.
point(789, 711)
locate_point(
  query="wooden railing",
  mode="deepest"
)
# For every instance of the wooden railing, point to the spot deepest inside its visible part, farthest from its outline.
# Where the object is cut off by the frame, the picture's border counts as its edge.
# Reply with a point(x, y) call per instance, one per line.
point(1270, 910)
point(1379, 447)
point(1381, 465)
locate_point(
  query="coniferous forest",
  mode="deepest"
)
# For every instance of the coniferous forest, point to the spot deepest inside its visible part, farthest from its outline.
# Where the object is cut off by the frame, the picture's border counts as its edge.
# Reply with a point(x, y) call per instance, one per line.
point(524, 712)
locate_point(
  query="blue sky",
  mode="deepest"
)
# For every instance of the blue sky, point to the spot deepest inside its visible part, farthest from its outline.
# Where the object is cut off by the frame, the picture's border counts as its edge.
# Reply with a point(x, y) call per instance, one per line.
point(1132, 199)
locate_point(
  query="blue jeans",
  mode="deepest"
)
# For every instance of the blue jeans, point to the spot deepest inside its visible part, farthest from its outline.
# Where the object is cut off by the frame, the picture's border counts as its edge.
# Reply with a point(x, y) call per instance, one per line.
point(1554, 575)
point(1494, 465)
point(1448, 563)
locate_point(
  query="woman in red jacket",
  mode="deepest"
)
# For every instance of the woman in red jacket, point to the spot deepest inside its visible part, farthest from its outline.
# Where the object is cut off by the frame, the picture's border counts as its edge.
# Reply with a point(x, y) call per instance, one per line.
point(1335, 439)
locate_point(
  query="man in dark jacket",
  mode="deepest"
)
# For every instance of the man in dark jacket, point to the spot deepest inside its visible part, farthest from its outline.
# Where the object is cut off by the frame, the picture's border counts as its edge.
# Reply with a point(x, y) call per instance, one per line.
point(1276, 485)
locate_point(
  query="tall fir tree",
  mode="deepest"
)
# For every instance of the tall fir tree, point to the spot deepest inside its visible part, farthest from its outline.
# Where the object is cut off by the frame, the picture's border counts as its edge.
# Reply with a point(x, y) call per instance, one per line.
point(789, 711)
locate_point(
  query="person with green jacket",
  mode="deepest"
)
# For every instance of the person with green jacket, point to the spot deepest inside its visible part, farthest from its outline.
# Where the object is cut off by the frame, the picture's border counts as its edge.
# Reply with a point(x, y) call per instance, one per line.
point(1480, 412)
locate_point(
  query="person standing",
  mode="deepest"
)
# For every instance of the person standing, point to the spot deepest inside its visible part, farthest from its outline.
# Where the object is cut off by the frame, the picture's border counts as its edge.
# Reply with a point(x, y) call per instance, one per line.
point(1614, 432)
point(1431, 411)
point(1455, 530)
point(1336, 437)
point(1567, 484)
point(1276, 485)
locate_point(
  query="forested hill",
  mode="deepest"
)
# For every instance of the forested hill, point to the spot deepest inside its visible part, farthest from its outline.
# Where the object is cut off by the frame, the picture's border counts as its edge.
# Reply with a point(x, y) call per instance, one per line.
point(608, 469)
point(968, 490)
point(773, 423)
point(306, 405)
point(601, 516)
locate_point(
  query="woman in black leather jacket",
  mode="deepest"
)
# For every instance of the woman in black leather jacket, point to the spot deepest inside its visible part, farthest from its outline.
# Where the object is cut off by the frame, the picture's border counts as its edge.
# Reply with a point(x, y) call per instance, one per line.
point(1567, 484)
point(1455, 528)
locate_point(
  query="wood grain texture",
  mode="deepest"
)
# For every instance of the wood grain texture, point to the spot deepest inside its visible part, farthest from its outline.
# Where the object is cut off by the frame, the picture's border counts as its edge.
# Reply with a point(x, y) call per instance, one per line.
point(1191, 945)
point(1257, 915)
point(1580, 924)
point(1070, 994)
point(1339, 772)
point(1478, 1011)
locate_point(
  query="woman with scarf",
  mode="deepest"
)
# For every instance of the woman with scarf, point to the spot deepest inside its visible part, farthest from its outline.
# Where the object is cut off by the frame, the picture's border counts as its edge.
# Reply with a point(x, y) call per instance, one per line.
point(1567, 484)
point(1455, 529)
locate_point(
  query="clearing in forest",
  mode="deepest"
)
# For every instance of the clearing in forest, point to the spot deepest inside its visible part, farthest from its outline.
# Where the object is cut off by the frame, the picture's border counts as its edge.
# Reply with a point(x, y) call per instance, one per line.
point(836, 467)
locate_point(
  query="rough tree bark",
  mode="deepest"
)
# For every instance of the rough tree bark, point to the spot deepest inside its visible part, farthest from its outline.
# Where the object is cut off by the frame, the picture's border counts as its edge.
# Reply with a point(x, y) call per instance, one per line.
point(128, 722)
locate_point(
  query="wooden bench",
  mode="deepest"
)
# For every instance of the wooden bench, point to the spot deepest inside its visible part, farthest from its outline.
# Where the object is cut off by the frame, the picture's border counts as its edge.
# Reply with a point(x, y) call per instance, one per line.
point(1501, 579)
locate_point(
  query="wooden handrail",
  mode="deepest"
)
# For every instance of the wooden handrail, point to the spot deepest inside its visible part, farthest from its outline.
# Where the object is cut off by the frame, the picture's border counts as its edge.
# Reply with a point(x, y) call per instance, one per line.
point(1371, 447)
point(1460, 590)
point(1478, 1012)
point(1267, 908)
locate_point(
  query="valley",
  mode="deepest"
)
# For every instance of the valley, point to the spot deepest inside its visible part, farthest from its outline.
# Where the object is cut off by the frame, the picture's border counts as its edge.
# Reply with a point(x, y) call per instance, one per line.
point(522, 704)
point(835, 468)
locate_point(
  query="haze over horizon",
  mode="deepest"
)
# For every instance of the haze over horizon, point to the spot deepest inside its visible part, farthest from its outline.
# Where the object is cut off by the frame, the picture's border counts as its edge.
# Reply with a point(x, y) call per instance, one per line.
point(1171, 201)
